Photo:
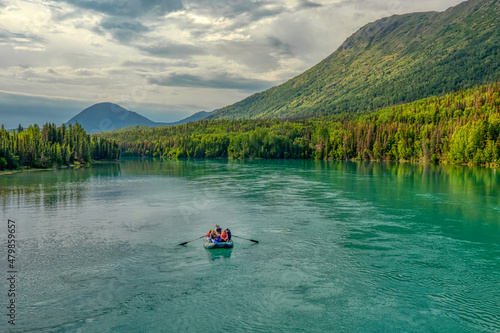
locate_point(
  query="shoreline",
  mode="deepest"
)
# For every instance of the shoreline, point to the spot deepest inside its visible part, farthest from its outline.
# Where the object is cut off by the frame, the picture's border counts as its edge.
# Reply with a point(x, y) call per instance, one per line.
point(76, 166)
point(71, 166)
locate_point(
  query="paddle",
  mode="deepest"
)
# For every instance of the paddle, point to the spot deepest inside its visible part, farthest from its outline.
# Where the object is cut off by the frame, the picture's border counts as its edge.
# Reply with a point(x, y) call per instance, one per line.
point(192, 240)
point(251, 240)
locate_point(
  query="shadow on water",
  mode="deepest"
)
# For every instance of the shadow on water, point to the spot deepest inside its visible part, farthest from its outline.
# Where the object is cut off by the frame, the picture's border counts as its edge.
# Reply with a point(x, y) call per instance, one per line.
point(219, 254)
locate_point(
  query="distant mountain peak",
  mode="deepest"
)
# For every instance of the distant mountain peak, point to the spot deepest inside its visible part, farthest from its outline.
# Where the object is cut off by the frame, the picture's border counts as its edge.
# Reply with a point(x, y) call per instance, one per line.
point(108, 116)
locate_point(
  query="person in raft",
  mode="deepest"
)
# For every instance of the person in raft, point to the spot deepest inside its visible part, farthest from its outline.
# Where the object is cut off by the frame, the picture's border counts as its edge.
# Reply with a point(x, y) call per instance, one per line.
point(211, 235)
point(218, 229)
point(217, 237)
point(223, 236)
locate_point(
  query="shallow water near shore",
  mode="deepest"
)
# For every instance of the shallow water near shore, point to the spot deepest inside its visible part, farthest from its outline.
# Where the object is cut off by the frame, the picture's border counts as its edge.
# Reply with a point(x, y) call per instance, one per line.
point(343, 247)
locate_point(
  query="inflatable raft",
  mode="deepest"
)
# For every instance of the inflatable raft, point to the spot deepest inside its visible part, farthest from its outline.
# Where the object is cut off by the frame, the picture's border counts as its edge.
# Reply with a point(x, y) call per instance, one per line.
point(222, 245)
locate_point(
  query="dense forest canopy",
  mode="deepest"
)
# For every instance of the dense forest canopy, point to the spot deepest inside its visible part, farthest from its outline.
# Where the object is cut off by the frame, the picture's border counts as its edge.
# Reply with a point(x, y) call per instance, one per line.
point(41, 148)
point(460, 127)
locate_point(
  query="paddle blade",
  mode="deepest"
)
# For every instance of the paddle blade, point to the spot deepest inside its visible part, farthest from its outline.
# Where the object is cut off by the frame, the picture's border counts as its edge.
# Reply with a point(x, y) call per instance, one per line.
point(191, 240)
point(251, 240)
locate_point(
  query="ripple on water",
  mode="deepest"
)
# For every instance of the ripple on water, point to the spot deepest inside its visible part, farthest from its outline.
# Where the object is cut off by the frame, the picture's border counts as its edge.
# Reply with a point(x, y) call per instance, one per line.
point(340, 250)
point(472, 307)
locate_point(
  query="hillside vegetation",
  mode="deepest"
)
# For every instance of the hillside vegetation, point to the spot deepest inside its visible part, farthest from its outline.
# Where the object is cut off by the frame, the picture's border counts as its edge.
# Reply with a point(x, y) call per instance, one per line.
point(456, 128)
point(397, 59)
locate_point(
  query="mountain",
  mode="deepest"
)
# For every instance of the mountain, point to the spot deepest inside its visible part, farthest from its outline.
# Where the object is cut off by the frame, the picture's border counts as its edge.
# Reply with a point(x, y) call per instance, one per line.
point(456, 128)
point(108, 116)
point(195, 117)
point(397, 59)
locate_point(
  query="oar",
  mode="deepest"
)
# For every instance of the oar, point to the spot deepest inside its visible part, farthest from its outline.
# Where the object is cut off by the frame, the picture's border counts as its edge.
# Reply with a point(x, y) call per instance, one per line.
point(251, 240)
point(192, 240)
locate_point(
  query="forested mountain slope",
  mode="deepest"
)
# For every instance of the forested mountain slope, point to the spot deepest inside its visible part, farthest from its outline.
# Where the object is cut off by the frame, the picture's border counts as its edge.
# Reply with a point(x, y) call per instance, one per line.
point(456, 128)
point(401, 58)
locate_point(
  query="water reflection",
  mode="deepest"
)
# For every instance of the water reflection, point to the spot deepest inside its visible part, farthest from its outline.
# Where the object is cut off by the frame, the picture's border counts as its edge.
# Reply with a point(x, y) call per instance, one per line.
point(430, 176)
point(219, 254)
point(52, 189)
point(442, 190)
point(176, 168)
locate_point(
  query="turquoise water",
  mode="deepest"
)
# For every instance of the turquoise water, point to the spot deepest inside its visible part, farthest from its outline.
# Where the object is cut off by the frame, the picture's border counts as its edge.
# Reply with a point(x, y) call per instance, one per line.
point(344, 247)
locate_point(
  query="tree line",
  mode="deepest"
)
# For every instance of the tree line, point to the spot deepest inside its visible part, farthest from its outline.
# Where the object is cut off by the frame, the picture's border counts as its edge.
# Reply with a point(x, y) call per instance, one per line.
point(458, 128)
point(41, 148)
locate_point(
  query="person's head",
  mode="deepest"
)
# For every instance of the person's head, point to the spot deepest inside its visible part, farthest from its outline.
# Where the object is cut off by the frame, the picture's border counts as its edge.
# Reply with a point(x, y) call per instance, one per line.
point(226, 230)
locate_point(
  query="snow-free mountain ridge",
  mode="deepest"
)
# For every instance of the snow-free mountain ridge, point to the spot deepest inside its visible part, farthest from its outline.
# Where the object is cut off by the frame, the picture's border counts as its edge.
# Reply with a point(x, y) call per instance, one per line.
point(394, 60)
point(109, 116)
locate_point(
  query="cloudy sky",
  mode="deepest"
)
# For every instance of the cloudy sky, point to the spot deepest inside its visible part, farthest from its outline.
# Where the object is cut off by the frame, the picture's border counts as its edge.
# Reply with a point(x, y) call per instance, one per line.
point(166, 59)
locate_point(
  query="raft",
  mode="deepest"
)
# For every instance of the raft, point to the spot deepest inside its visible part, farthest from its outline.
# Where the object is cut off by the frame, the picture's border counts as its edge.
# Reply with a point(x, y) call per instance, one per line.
point(222, 245)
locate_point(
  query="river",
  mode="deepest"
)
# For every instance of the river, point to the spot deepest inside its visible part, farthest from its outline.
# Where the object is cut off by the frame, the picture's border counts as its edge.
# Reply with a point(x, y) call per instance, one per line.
point(343, 247)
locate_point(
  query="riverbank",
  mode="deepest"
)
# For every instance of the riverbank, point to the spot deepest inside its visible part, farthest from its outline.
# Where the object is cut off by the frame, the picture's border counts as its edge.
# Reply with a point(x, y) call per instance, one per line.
point(71, 166)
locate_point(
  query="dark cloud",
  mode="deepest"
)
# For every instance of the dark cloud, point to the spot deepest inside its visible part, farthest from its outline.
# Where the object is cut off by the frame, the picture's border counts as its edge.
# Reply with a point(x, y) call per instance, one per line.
point(124, 25)
point(280, 47)
point(305, 4)
point(4, 36)
point(157, 66)
point(228, 9)
point(19, 38)
point(130, 8)
point(123, 31)
point(241, 12)
point(172, 50)
point(219, 81)
point(262, 13)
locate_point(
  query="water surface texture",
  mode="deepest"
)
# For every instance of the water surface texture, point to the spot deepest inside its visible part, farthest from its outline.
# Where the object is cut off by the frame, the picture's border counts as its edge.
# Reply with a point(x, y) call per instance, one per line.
point(344, 247)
